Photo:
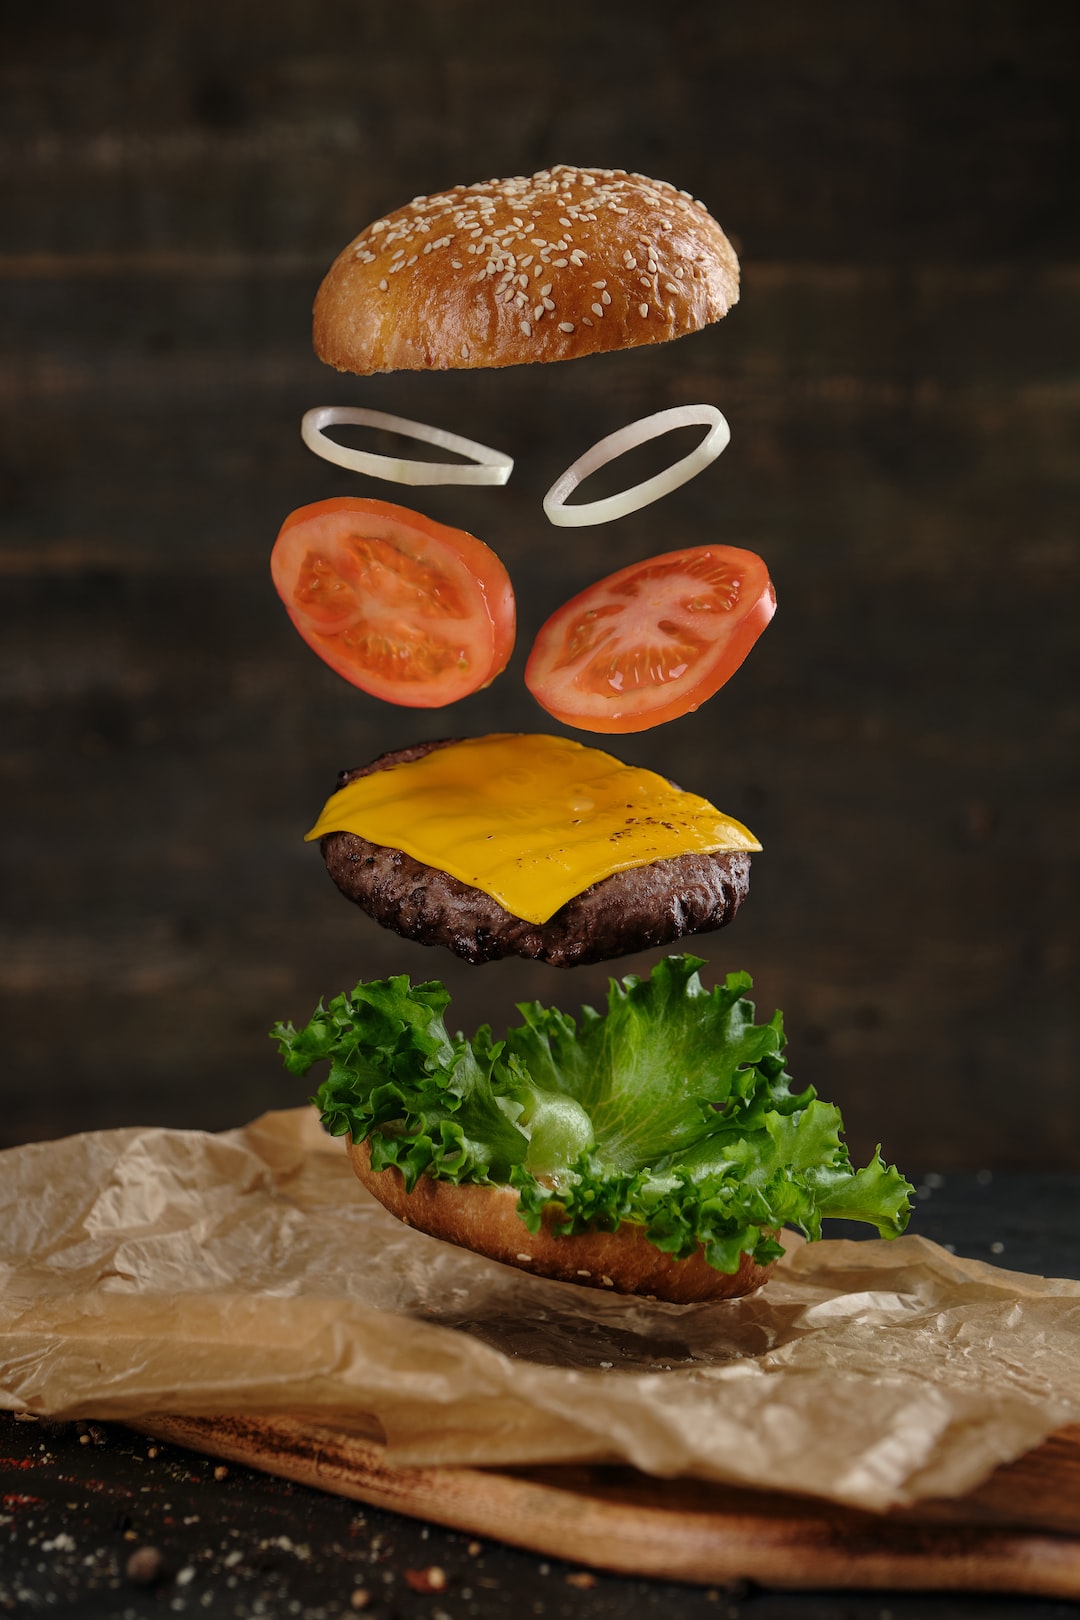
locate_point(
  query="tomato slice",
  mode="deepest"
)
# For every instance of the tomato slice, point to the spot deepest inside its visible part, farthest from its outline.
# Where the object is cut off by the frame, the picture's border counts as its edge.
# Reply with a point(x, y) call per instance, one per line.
point(652, 641)
point(405, 608)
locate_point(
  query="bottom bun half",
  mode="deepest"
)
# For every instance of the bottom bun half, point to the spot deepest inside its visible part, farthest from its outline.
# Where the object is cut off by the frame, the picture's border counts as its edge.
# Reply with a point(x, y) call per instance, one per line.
point(485, 1219)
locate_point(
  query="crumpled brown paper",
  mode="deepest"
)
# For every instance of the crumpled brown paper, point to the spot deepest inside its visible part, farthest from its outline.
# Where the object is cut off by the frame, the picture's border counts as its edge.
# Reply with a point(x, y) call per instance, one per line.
point(150, 1270)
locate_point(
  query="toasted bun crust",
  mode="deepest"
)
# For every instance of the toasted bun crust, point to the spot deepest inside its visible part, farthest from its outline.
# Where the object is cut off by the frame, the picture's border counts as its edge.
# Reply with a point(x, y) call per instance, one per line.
point(485, 1219)
point(566, 263)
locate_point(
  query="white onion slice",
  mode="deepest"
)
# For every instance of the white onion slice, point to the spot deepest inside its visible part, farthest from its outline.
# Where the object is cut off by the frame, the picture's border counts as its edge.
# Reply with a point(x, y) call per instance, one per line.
point(651, 489)
point(485, 466)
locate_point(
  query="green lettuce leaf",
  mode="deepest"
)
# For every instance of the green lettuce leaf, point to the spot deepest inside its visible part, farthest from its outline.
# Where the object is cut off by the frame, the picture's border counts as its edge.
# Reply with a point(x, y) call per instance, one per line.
point(672, 1109)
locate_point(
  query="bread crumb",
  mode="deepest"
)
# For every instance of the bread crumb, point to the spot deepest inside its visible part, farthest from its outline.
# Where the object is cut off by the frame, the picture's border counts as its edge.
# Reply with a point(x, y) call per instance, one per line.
point(144, 1566)
point(432, 1579)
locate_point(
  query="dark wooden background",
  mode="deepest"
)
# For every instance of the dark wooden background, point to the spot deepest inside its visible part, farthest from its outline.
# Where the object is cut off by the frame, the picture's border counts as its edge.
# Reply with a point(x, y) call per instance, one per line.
point(901, 382)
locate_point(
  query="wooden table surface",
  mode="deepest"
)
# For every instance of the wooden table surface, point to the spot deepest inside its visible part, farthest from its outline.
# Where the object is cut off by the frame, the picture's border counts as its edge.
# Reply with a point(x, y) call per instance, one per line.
point(101, 1522)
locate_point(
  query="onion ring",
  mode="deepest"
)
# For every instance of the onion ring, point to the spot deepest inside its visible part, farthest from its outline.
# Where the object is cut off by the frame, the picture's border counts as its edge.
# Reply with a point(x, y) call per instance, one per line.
point(617, 444)
point(485, 466)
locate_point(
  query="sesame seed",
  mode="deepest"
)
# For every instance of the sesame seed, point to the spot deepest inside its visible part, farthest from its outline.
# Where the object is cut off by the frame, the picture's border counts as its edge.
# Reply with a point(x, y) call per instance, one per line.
point(549, 304)
point(643, 309)
point(566, 326)
point(605, 298)
point(527, 260)
point(412, 260)
point(669, 286)
point(545, 289)
point(597, 309)
point(600, 284)
point(584, 1274)
point(585, 321)
point(538, 311)
point(383, 284)
point(560, 264)
point(455, 264)
point(607, 1282)
point(524, 1256)
point(526, 329)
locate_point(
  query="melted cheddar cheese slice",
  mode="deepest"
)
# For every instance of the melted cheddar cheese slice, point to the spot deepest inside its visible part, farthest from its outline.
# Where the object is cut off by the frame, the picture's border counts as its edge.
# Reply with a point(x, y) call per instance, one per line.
point(530, 820)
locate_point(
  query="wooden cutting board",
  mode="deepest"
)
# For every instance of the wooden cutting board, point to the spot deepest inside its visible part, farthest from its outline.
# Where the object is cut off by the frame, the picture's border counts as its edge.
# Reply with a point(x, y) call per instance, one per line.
point(1019, 1532)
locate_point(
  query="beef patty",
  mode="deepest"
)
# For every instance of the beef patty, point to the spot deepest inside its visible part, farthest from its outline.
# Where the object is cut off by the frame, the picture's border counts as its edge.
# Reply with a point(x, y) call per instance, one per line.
point(628, 911)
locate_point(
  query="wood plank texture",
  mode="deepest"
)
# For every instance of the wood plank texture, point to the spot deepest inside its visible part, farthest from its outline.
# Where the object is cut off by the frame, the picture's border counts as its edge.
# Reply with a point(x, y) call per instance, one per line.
point(1018, 1533)
point(900, 379)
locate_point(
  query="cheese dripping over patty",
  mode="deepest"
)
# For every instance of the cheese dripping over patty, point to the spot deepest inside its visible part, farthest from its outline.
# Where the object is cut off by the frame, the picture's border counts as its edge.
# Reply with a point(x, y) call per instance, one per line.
point(530, 820)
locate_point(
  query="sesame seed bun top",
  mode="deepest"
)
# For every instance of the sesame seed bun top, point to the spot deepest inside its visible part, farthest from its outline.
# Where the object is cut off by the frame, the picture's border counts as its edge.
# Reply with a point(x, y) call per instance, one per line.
point(566, 263)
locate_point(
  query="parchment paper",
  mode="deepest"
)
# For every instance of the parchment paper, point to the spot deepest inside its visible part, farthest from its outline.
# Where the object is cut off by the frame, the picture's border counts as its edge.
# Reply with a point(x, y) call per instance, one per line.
point(150, 1270)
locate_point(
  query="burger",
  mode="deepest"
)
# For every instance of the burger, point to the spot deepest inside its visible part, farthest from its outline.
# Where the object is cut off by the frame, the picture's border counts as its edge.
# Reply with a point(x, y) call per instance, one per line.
point(656, 1147)
point(531, 845)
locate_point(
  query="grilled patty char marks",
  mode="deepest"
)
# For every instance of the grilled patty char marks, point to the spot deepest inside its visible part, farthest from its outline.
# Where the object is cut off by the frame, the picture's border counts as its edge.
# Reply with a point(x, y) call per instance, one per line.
point(628, 911)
